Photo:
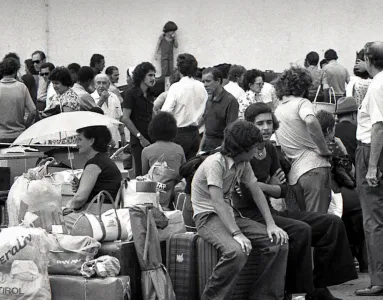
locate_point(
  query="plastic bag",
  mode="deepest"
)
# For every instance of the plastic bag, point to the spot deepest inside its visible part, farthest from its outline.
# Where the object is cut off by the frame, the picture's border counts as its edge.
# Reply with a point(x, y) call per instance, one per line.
point(103, 266)
point(336, 204)
point(139, 193)
point(68, 253)
point(176, 225)
point(24, 264)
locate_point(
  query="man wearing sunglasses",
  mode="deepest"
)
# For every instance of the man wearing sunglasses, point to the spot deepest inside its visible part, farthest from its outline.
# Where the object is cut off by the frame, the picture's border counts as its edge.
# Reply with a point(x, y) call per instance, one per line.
point(38, 58)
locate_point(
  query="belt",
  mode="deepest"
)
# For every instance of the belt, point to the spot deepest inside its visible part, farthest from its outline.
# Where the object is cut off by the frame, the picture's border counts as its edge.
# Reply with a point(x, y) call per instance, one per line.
point(359, 143)
point(187, 129)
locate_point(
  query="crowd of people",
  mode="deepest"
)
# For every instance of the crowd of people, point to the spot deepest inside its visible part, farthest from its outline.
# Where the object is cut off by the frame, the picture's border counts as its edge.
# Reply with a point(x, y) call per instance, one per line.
point(259, 141)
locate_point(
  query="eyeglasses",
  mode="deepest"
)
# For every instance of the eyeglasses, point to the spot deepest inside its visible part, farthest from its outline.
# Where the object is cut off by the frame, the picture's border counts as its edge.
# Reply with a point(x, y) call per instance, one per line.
point(44, 74)
point(36, 61)
point(259, 84)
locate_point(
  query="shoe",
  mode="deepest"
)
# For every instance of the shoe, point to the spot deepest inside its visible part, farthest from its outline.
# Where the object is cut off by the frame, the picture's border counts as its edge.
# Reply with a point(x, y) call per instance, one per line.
point(321, 294)
point(374, 290)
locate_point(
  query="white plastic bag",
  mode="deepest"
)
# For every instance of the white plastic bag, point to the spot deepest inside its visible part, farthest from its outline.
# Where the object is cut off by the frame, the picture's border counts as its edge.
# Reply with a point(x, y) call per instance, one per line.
point(24, 264)
point(176, 225)
point(139, 193)
point(336, 204)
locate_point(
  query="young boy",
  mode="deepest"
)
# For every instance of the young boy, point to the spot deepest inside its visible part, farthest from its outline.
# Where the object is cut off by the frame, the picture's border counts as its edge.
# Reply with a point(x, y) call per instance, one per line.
point(219, 224)
point(166, 42)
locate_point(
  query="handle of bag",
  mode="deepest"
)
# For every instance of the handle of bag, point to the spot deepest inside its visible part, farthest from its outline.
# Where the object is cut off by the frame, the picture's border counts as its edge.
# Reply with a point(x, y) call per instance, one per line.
point(100, 201)
point(81, 251)
point(317, 93)
point(333, 92)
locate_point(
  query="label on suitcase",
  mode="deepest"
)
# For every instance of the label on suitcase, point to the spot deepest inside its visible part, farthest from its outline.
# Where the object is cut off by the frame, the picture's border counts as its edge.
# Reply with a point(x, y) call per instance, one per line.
point(182, 265)
point(208, 258)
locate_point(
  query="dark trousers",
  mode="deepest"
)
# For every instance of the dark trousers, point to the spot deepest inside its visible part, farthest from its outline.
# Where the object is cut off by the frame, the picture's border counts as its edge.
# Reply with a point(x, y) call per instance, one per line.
point(211, 143)
point(333, 262)
point(371, 200)
point(188, 138)
point(136, 154)
point(270, 283)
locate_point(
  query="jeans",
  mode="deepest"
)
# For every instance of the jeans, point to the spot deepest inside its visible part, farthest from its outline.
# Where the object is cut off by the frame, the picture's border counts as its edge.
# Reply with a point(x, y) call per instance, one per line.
point(371, 200)
point(316, 189)
point(270, 283)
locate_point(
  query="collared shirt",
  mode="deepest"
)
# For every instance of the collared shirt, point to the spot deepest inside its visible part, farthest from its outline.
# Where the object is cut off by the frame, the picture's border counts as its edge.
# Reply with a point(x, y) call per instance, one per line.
point(319, 78)
point(220, 112)
point(295, 139)
point(141, 109)
point(186, 100)
point(14, 98)
point(234, 89)
point(371, 109)
point(220, 171)
point(42, 90)
point(112, 109)
point(51, 93)
point(68, 99)
point(86, 100)
point(337, 76)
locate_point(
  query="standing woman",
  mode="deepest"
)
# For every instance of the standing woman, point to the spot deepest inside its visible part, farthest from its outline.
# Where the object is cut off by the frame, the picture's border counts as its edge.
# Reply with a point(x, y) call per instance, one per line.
point(14, 100)
point(253, 83)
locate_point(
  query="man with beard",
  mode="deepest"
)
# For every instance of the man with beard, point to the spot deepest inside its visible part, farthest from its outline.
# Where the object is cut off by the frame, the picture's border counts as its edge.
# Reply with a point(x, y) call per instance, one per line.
point(138, 109)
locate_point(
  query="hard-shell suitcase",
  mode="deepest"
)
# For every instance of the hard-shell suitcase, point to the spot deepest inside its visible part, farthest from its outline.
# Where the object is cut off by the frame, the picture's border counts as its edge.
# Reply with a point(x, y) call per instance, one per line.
point(208, 257)
point(125, 252)
point(182, 265)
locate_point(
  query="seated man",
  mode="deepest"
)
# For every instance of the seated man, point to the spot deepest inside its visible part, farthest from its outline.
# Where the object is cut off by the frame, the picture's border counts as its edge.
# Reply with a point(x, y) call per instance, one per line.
point(326, 233)
point(226, 230)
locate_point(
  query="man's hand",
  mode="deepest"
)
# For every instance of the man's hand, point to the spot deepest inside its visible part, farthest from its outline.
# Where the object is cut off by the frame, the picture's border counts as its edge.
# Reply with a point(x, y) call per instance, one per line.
point(280, 235)
point(244, 242)
point(360, 66)
point(104, 96)
point(278, 178)
point(372, 176)
point(144, 142)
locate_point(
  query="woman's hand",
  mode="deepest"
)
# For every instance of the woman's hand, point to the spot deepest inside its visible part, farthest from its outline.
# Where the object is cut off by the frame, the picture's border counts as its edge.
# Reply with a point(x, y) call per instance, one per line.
point(280, 235)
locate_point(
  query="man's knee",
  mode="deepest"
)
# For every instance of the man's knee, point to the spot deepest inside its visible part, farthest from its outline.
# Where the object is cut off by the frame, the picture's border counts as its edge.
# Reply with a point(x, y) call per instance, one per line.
point(237, 256)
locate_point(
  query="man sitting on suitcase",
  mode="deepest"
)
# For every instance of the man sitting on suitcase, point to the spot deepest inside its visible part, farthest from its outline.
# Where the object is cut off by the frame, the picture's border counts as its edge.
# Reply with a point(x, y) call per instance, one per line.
point(233, 235)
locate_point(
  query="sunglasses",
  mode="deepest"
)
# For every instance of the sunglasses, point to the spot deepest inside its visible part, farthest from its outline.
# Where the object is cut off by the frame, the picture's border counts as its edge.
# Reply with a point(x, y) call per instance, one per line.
point(44, 74)
point(36, 61)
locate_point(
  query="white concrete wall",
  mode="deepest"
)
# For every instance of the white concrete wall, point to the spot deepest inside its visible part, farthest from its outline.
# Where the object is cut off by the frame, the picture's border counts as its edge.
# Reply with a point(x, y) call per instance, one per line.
point(266, 34)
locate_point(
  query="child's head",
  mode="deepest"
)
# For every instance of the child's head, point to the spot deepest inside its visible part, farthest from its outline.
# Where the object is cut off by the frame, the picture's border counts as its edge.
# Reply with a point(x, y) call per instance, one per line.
point(163, 127)
point(170, 28)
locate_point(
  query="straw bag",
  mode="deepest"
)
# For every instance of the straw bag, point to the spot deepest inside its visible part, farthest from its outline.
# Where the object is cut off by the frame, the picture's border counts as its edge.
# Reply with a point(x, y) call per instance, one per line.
point(330, 107)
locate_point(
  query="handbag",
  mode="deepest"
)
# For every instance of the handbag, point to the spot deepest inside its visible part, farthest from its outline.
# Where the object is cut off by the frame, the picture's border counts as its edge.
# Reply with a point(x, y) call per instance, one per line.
point(330, 107)
point(342, 167)
point(102, 227)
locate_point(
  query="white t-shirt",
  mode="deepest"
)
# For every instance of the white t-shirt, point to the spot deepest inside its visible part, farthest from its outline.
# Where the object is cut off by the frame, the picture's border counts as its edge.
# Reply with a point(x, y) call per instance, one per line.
point(371, 109)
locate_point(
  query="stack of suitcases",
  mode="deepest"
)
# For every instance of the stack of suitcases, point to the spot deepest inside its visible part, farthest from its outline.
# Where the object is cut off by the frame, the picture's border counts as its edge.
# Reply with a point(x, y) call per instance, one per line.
point(191, 260)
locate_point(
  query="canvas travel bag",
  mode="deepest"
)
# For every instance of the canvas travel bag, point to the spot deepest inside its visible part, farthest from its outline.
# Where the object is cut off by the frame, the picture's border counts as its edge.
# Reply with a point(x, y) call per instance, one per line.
point(68, 253)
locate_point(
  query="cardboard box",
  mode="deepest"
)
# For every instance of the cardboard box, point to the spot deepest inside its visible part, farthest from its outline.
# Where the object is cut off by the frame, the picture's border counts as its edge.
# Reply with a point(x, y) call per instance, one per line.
point(65, 287)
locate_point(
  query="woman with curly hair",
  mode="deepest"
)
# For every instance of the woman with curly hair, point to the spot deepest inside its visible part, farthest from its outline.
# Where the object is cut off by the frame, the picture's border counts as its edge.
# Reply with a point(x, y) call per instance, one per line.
point(301, 138)
point(138, 109)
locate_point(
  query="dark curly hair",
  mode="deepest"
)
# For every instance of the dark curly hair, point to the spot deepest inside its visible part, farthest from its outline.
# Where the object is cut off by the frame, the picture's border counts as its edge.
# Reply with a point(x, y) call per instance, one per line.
point(140, 72)
point(374, 52)
point(250, 77)
point(240, 136)
point(326, 120)
point(9, 66)
point(236, 72)
point(100, 134)
point(61, 74)
point(295, 81)
point(255, 109)
point(187, 64)
point(163, 127)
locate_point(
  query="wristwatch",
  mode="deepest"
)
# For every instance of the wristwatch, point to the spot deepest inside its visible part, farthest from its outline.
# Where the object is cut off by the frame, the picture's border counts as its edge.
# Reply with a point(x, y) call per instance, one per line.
point(138, 135)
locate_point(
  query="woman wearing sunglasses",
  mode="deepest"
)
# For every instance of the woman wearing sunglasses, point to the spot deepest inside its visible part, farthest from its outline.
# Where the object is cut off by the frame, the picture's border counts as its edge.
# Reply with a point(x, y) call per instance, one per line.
point(326, 233)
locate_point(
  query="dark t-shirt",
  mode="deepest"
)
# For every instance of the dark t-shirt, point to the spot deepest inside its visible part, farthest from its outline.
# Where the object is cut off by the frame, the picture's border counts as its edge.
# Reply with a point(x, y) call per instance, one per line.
point(346, 131)
point(263, 170)
point(142, 110)
point(219, 113)
point(108, 180)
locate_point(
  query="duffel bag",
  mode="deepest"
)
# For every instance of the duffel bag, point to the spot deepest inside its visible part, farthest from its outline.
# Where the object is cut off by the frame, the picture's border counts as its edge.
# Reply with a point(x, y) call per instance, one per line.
point(68, 253)
point(110, 226)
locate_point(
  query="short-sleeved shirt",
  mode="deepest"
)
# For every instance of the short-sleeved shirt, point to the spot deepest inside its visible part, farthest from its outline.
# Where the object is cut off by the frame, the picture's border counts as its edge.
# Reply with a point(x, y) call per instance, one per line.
point(295, 139)
point(108, 180)
point(319, 78)
point(67, 99)
point(220, 171)
point(14, 99)
point(219, 113)
point(172, 153)
point(337, 76)
point(141, 109)
point(371, 109)
point(86, 100)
